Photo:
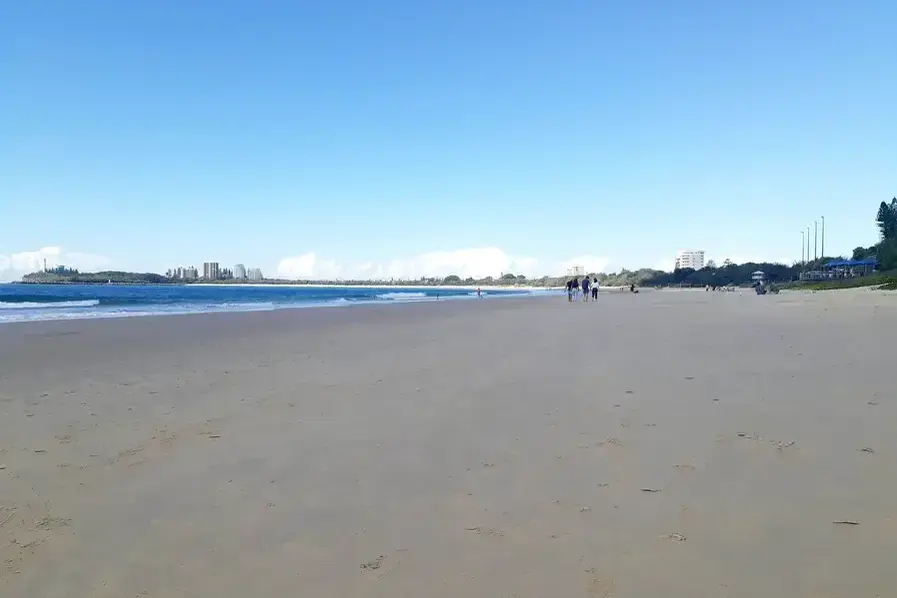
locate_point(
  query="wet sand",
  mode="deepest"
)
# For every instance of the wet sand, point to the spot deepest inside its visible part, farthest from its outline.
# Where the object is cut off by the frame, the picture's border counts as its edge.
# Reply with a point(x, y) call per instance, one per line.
point(665, 444)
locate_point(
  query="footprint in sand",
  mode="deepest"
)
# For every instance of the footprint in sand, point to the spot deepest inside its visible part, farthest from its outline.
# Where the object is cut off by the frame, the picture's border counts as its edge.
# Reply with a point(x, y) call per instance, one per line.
point(373, 565)
point(599, 587)
point(684, 467)
point(611, 442)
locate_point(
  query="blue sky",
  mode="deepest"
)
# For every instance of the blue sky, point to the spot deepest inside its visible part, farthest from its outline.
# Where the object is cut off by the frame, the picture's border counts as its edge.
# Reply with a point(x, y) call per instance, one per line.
point(361, 137)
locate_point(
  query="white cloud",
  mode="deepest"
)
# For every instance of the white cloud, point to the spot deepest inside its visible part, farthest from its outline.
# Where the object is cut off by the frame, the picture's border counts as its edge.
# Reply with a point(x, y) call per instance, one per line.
point(665, 264)
point(14, 266)
point(308, 266)
point(668, 263)
point(474, 263)
point(591, 263)
point(744, 259)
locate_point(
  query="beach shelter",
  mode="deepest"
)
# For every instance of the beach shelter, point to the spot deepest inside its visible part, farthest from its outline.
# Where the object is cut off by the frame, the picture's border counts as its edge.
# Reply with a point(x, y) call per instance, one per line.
point(851, 267)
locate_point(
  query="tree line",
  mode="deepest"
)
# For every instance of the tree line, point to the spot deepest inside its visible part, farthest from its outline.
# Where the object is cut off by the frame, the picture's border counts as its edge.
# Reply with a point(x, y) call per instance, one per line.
point(63, 275)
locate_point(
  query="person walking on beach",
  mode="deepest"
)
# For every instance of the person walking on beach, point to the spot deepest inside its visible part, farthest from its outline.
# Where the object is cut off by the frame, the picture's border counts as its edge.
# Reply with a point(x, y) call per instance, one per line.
point(595, 289)
point(585, 289)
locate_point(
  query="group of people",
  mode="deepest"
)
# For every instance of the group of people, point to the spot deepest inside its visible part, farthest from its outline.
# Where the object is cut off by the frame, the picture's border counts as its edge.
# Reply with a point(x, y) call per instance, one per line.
point(581, 290)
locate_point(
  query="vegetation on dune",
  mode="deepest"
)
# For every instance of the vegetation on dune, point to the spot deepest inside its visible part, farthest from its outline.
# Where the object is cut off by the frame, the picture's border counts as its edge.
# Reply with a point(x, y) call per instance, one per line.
point(885, 280)
point(727, 274)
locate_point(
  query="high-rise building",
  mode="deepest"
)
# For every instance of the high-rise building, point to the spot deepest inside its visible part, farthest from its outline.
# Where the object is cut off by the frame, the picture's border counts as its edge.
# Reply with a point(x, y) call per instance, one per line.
point(240, 272)
point(690, 259)
point(210, 270)
point(183, 273)
point(254, 274)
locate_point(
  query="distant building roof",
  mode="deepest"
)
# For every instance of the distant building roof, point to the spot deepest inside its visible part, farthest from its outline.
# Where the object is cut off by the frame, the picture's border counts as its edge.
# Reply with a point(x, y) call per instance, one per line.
point(851, 263)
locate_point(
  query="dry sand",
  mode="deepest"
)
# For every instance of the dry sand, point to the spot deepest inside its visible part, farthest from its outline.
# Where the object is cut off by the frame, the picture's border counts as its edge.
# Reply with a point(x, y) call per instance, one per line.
point(480, 449)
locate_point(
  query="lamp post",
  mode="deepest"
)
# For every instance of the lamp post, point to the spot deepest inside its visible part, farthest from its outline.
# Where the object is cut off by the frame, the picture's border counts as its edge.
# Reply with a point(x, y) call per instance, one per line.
point(815, 239)
point(802, 248)
point(808, 244)
point(823, 235)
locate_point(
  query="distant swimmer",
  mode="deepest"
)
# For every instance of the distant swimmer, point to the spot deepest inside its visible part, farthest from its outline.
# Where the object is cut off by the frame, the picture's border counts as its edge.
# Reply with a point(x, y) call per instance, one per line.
point(479, 294)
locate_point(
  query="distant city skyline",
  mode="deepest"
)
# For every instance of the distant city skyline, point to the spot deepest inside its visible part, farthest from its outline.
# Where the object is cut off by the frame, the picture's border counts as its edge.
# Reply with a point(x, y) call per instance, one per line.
point(338, 140)
point(183, 273)
point(214, 271)
point(478, 263)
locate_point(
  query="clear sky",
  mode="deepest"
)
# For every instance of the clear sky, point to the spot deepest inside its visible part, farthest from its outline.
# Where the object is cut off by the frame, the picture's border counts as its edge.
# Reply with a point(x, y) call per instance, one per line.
point(427, 136)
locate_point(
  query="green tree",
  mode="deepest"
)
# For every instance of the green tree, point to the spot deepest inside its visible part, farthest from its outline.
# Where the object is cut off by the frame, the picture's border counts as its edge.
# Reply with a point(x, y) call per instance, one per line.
point(508, 276)
point(887, 220)
point(681, 275)
point(887, 255)
point(451, 279)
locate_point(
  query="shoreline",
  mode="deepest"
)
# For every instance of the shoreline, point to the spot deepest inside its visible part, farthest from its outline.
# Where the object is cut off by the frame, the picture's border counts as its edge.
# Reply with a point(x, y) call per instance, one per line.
point(97, 310)
point(285, 284)
point(373, 286)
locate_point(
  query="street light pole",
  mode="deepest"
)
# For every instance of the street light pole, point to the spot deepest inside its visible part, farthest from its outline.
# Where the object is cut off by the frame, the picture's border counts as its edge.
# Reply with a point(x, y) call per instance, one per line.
point(823, 236)
point(803, 247)
point(808, 244)
point(815, 239)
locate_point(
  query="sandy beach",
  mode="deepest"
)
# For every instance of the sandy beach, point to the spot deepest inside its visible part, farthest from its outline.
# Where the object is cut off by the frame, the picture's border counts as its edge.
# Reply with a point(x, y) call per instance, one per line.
point(662, 444)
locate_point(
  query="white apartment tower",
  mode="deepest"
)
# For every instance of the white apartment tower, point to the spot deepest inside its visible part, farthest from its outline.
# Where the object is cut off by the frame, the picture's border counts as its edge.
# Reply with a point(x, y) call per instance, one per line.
point(690, 259)
point(240, 272)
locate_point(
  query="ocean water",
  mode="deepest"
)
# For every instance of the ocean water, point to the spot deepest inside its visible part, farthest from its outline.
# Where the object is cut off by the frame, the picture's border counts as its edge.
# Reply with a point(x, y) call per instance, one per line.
point(28, 302)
